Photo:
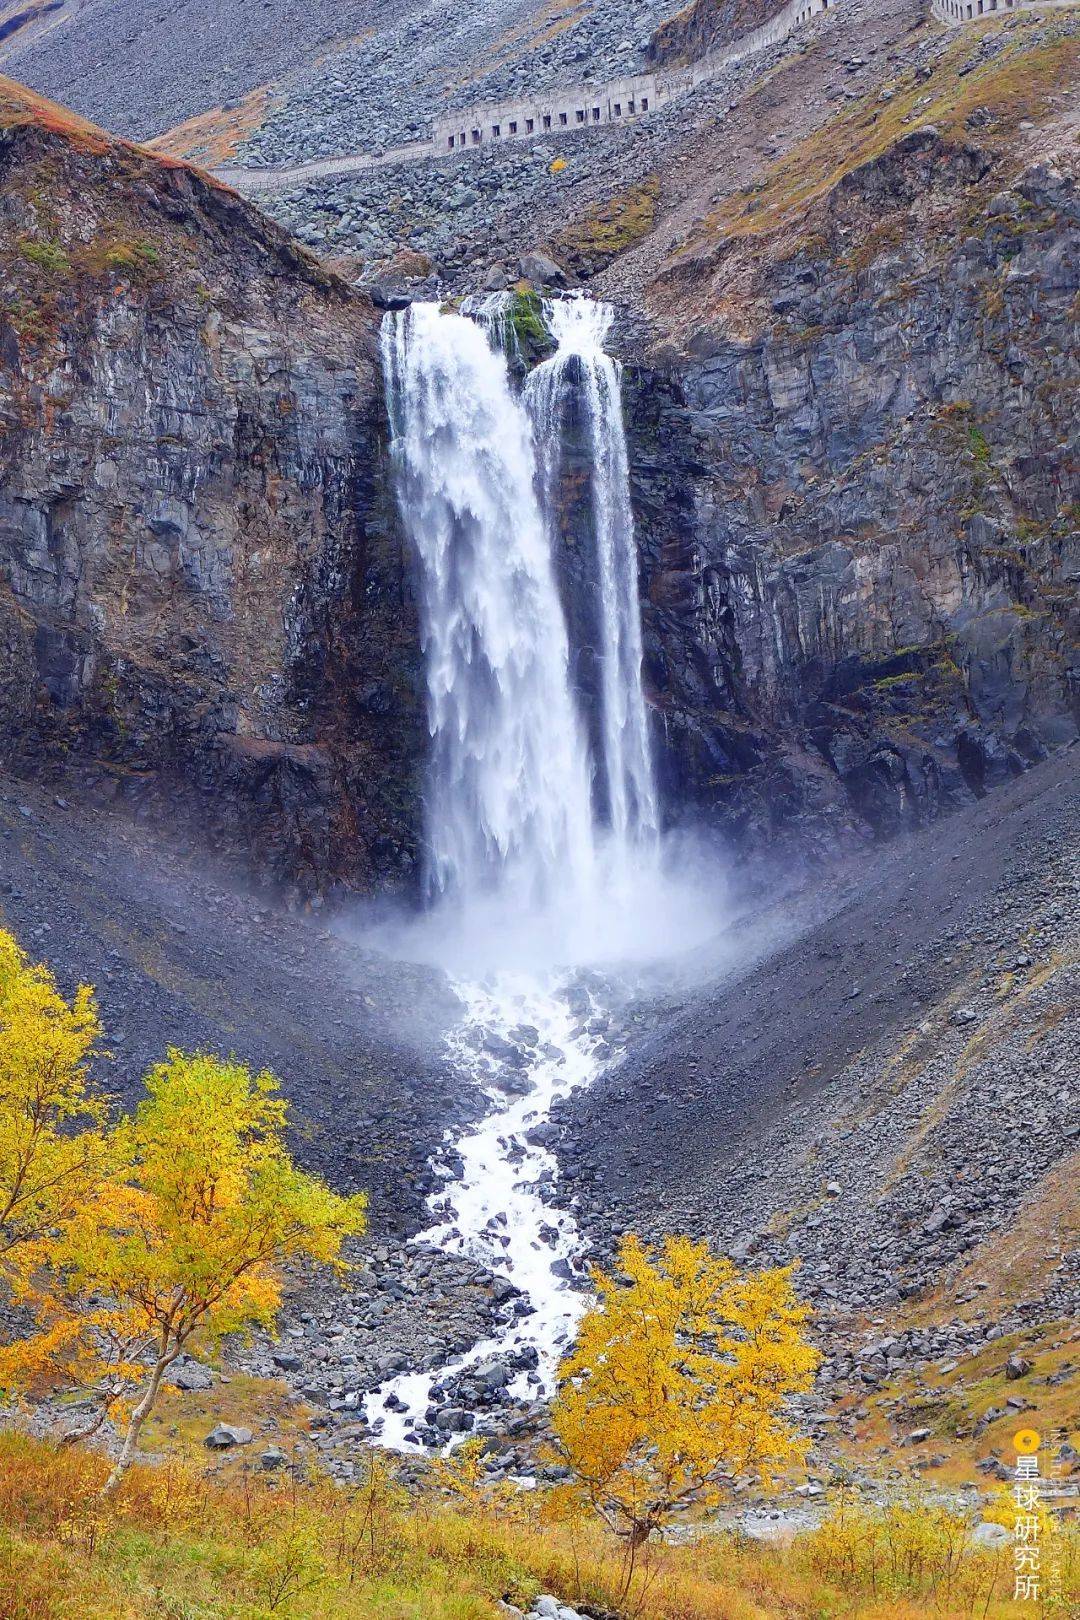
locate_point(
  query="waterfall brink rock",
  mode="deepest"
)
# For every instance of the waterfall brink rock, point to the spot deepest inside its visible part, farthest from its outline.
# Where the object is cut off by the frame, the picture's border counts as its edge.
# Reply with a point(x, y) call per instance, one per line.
point(580, 369)
point(508, 806)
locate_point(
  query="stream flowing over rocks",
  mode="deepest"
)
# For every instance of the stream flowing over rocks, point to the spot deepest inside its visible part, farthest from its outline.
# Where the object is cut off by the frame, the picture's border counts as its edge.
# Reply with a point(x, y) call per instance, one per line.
point(525, 1044)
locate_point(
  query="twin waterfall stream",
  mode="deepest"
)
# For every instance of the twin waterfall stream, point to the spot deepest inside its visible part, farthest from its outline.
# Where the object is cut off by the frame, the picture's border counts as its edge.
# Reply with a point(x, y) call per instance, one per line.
point(541, 858)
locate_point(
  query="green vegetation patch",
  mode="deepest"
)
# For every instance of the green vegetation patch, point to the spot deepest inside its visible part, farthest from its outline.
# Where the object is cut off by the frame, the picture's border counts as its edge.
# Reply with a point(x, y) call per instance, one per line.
point(620, 223)
point(135, 257)
point(46, 254)
point(978, 445)
point(527, 318)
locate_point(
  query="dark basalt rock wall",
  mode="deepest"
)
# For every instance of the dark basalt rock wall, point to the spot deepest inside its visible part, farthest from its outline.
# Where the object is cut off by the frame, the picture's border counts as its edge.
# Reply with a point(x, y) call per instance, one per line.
point(859, 521)
point(204, 599)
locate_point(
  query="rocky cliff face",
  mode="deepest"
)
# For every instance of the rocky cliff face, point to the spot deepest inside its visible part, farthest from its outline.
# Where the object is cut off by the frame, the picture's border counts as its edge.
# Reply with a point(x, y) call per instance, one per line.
point(857, 483)
point(204, 603)
point(705, 24)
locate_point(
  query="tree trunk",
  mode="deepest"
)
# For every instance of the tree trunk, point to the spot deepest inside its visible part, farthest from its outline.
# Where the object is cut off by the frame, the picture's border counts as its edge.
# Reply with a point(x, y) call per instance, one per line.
point(138, 1418)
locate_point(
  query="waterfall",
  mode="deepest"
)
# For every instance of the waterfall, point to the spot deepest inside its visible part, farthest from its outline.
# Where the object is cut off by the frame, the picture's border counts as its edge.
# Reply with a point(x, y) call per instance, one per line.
point(510, 818)
point(508, 806)
point(526, 879)
point(581, 373)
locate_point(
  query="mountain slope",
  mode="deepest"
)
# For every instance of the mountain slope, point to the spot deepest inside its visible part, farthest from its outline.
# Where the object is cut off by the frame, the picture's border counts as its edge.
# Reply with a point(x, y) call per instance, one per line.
point(338, 75)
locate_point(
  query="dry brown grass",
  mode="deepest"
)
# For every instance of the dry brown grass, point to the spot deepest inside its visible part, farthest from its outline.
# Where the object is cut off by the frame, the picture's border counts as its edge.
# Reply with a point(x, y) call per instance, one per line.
point(952, 1403)
point(23, 108)
point(615, 225)
point(176, 1544)
point(1017, 1262)
point(20, 106)
point(1021, 83)
point(213, 138)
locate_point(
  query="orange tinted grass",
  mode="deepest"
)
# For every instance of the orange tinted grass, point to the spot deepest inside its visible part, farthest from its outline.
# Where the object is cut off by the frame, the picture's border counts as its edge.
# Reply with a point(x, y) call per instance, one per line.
point(175, 1543)
point(23, 108)
point(18, 105)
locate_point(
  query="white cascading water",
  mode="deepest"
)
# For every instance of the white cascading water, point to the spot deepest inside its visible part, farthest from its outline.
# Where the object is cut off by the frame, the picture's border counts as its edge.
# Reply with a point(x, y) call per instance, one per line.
point(508, 799)
point(525, 885)
point(581, 369)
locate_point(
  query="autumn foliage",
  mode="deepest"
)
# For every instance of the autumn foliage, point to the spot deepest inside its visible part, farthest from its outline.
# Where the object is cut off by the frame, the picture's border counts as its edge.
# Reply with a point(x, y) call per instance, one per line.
point(48, 1168)
point(678, 1382)
point(128, 1246)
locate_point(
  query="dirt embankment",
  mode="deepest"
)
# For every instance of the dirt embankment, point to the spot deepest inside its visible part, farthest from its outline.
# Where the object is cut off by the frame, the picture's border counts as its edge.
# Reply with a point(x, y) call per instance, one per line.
point(705, 24)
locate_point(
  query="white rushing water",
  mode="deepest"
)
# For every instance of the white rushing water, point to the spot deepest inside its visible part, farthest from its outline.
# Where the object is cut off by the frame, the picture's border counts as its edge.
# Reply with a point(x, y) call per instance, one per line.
point(508, 809)
point(581, 373)
point(494, 1207)
point(527, 879)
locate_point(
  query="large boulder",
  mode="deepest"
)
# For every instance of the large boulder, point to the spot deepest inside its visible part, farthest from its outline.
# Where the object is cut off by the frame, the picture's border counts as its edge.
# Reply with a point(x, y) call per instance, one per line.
point(226, 1435)
point(541, 271)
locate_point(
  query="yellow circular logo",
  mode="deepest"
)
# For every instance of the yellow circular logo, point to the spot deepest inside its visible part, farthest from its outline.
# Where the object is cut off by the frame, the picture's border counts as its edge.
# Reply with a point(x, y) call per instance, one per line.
point(1026, 1441)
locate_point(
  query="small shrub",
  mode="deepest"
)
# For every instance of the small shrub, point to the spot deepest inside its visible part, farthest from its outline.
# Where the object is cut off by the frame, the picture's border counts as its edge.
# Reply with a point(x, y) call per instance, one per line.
point(527, 319)
point(135, 257)
point(978, 445)
point(47, 255)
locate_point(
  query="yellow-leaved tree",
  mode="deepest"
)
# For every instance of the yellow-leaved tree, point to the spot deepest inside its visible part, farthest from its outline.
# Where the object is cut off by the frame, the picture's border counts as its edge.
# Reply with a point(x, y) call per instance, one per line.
point(49, 1168)
point(186, 1243)
point(677, 1380)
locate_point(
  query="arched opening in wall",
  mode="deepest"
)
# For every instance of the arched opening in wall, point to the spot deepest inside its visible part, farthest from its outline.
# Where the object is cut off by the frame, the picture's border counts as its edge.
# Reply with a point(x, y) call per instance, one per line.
point(513, 127)
point(618, 109)
point(496, 131)
point(563, 117)
point(547, 120)
point(644, 103)
point(580, 115)
point(449, 140)
point(529, 126)
point(476, 137)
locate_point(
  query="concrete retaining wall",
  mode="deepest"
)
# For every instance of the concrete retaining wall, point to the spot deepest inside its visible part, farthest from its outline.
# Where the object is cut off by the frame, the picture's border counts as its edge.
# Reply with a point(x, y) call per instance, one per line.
point(552, 112)
point(955, 12)
point(561, 110)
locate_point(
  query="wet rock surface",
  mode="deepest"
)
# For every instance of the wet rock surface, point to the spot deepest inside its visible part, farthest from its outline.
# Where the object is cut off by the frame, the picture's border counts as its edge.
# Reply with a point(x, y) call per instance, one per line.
point(859, 526)
point(853, 468)
point(853, 477)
